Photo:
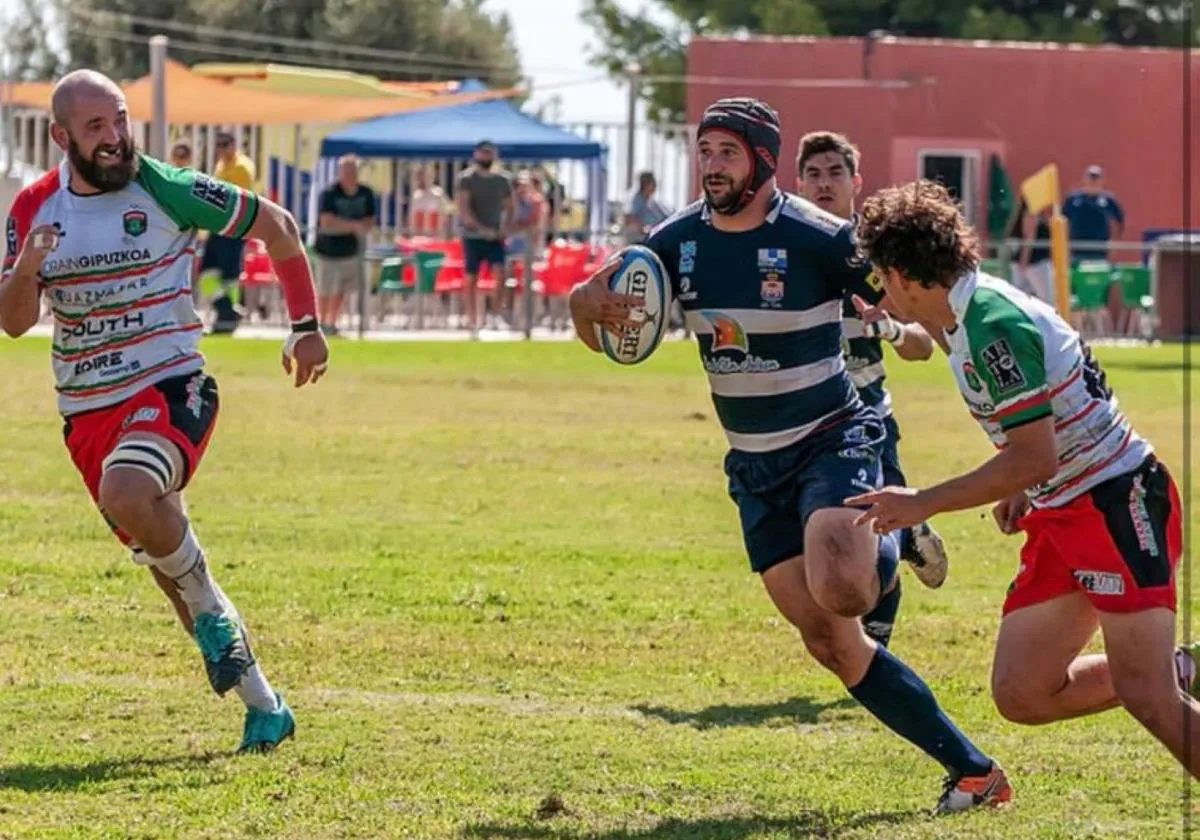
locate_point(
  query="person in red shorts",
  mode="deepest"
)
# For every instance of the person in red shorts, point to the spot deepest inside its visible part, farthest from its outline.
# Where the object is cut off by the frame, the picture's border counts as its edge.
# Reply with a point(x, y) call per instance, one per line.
point(1100, 512)
point(108, 240)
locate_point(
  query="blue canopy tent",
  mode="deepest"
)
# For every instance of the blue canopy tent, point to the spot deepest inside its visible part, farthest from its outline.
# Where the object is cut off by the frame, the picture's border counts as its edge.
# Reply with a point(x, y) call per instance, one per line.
point(451, 132)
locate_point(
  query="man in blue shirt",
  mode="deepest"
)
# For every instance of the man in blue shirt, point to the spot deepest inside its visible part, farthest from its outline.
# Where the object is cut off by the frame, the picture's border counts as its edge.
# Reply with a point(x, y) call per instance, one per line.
point(643, 211)
point(827, 174)
point(1093, 215)
point(761, 276)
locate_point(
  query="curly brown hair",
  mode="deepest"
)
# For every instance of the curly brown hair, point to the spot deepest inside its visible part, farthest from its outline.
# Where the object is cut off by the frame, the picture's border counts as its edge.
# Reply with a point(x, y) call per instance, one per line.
point(919, 230)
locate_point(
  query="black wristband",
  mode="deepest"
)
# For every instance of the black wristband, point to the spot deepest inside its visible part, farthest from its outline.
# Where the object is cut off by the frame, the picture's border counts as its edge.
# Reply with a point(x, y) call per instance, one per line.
point(307, 324)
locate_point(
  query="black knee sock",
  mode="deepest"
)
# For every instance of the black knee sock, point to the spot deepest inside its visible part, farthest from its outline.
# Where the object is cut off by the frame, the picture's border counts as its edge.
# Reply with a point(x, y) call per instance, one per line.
point(894, 694)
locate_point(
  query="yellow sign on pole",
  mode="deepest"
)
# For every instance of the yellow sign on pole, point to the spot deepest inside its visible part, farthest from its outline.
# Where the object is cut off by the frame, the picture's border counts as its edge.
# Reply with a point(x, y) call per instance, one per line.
point(1040, 190)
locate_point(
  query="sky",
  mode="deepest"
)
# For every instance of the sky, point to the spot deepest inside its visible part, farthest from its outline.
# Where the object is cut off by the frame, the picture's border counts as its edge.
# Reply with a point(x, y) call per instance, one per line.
point(553, 43)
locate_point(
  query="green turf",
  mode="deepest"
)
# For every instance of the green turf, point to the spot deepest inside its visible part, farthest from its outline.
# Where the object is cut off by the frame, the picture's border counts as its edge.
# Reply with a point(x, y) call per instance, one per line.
point(504, 591)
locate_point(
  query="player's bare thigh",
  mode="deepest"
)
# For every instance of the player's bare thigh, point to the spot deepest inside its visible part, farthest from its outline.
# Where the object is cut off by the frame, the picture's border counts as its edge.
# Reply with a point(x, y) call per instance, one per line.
point(838, 643)
point(1141, 658)
point(1035, 647)
point(841, 562)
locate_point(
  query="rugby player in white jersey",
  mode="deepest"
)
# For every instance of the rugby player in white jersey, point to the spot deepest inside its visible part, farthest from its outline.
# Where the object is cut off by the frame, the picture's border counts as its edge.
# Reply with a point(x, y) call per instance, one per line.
point(1100, 512)
point(108, 239)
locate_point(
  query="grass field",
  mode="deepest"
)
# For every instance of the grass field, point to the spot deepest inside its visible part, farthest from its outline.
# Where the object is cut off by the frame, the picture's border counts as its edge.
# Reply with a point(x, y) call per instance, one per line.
point(504, 590)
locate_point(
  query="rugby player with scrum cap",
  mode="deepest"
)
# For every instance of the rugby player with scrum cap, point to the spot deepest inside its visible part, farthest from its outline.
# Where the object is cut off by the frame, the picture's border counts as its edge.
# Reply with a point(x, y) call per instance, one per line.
point(761, 276)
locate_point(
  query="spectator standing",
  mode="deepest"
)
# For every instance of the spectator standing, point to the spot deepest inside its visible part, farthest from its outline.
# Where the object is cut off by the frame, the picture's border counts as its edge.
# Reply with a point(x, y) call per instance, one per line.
point(221, 253)
point(485, 206)
point(428, 209)
point(1035, 268)
point(347, 215)
point(643, 211)
point(1093, 215)
point(181, 154)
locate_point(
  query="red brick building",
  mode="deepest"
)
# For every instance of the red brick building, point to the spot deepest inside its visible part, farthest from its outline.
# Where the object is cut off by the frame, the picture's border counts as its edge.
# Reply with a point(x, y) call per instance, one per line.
point(919, 106)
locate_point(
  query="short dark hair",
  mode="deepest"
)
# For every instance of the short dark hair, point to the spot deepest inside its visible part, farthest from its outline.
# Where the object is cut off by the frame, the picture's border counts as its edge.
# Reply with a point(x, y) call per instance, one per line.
point(182, 146)
point(819, 142)
point(224, 138)
point(485, 144)
point(918, 230)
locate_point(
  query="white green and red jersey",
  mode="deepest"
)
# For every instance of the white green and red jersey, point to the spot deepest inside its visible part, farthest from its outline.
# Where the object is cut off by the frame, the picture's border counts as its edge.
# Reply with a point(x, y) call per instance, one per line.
point(1016, 361)
point(120, 281)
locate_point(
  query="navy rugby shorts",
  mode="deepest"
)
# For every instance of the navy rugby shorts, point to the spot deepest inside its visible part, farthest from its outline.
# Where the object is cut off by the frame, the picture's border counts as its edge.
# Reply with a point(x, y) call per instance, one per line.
point(776, 492)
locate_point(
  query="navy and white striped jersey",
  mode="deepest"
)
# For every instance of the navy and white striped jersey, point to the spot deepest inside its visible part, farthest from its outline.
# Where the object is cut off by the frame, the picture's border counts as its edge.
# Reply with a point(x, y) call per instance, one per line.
point(766, 308)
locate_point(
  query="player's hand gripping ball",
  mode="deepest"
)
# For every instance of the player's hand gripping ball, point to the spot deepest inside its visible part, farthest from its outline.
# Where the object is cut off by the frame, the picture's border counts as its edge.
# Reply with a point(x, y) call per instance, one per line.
point(640, 273)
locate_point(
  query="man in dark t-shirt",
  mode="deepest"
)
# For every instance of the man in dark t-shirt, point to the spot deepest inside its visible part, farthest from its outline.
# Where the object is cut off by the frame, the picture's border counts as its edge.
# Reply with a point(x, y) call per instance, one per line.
point(347, 214)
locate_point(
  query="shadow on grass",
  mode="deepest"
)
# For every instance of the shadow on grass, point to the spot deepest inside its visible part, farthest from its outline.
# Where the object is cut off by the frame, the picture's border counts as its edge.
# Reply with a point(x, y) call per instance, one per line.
point(795, 710)
point(34, 778)
point(807, 824)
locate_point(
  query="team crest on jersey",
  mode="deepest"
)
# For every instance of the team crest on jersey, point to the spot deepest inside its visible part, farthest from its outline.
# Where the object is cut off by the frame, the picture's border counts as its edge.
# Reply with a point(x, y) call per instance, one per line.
point(211, 191)
point(134, 221)
point(772, 290)
point(728, 334)
point(972, 378)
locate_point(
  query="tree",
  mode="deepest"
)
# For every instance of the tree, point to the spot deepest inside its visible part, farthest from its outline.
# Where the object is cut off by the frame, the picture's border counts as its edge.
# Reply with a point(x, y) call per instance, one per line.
point(27, 43)
point(656, 38)
point(419, 39)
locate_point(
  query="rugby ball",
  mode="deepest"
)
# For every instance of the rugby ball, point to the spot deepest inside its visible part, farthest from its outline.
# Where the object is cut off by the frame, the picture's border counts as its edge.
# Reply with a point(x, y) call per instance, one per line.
point(641, 274)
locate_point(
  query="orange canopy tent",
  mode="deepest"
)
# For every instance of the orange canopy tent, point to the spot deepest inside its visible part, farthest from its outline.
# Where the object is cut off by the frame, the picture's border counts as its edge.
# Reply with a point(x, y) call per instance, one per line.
point(192, 98)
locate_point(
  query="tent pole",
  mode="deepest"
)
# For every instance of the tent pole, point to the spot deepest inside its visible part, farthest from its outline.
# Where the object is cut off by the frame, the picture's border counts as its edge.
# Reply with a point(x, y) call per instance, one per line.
point(297, 149)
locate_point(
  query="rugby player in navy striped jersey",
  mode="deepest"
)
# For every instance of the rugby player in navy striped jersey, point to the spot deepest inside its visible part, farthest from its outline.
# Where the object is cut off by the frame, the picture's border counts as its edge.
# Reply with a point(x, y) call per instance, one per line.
point(761, 276)
point(828, 173)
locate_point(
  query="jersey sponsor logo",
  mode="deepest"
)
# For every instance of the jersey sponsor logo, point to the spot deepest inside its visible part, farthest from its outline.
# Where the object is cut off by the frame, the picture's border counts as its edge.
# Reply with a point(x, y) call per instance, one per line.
point(686, 293)
point(89, 296)
point(14, 243)
point(772, 259)
point(93, 327)
point(195, 402)
point(862, 481)
point(142, 415)
point(134, 221)
point(687, 257)
point(728, 334)
point(857, 453)
point(211, 191)
point(1142, 526)
point(1100, 583)
point(106, 362)
point(116, 259)
point(1002, 365)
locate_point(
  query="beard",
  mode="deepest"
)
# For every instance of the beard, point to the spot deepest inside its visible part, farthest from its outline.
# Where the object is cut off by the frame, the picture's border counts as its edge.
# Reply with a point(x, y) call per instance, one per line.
point(107, 174)
point(732, 192)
